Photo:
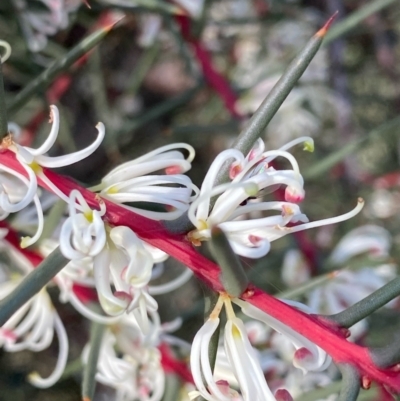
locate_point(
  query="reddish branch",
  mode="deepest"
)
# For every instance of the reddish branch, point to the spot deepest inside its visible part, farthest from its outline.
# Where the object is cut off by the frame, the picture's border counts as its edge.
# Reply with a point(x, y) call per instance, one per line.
point(315, 328)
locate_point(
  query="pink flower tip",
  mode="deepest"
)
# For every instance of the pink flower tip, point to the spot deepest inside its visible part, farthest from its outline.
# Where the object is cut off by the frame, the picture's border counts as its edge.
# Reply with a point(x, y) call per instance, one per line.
point(173, 170)
point(234, 170)
point(302, 358)
point(122, 295)
point(294, 195)
point(223, 386)
point(255, 240)
point(283, 395)
point(8, 334)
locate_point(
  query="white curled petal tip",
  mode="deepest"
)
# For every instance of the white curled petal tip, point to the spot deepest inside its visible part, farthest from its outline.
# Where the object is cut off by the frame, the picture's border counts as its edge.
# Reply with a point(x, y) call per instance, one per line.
point(31, 185)
point(7, 50)
point(51, 139)
point(66, 247)
point(35, 378)
point(311, 361)
point(331, 220)
point(28, 241)
point(61, 161)
point(261, 248)
point(98, 235)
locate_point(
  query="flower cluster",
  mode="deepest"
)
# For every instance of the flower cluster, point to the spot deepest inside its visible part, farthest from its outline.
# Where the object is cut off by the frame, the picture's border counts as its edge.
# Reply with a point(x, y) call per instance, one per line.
point(252, 177)
point(113, 267)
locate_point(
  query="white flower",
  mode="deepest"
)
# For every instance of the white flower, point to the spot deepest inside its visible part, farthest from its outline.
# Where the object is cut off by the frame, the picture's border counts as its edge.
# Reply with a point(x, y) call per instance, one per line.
point(13, 195)
point(32, 328)
point(36, 158)
point(243, 360)
point(82, 234)
point(133, 182)
point(253, 176)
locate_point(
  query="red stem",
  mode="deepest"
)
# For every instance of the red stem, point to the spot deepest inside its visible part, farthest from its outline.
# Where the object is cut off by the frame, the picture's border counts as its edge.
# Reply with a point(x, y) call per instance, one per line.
point(320, 332)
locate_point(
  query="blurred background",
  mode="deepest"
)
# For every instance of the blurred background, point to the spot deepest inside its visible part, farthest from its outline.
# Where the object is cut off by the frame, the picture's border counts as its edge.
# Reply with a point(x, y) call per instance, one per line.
point(194, 71)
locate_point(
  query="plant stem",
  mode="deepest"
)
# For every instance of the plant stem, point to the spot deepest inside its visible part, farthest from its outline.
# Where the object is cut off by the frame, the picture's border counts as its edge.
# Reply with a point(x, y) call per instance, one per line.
point(368, 305)
point(31, 284)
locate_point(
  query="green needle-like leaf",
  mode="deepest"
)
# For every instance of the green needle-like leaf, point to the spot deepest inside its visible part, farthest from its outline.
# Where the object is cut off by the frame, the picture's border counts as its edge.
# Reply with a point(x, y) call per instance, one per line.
point(32, 284)
point(368, 305)
point(90, 369)
point(59, 66)
point(276, 97)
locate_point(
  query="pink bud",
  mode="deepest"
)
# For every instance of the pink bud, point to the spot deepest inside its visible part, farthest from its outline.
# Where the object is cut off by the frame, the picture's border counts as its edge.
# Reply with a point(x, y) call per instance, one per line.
point(254, 239)
point(223, 386)
point(294, 195)
point(122, 295)
point(283, 395)
point(303, 358)
point(173, 170)
point(234, 170)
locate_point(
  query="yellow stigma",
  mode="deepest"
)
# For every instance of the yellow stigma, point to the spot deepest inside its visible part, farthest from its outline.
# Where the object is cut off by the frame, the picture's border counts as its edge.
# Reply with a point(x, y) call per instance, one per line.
point(309, 146)
point(235, 332)
point(37, 169)
point(89, 216)
point(112, 190)
point(202, 225)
